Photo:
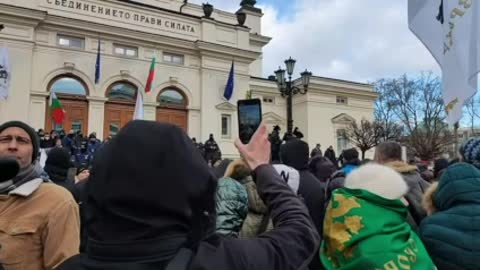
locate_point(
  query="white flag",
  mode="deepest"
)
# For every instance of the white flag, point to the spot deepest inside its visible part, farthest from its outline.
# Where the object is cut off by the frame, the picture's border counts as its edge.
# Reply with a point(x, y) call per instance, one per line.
point(450, 31)
point(5, 73)
point(138, 115)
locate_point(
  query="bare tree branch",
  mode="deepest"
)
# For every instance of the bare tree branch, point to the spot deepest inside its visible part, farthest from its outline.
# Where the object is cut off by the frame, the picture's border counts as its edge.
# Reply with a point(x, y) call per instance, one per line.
point(418, 111)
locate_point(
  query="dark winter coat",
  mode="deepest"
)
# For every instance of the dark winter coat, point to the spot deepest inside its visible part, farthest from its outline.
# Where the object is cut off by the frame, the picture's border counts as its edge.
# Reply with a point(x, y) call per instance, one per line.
point(61, 170)
point(141, 215)
point(330, 154)
point(231, 206)
point(82, 159)
point(451, 234)
point(295, 153)
point(417, 187)
point(316, 152)
point(322, 168)
point(336, 181)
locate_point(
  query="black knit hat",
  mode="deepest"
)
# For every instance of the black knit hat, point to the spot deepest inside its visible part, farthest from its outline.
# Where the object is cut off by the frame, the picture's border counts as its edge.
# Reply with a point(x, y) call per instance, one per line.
point(60, 158)
point(350, 154)
point(31, 133)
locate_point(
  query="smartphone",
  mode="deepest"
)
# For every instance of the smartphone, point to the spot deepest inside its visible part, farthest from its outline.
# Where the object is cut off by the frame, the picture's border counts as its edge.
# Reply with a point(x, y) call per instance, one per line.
point(249, 118)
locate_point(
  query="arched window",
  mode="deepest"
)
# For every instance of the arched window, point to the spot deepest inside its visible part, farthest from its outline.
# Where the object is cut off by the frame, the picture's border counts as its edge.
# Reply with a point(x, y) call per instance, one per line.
point(172, 97)
point(122, 91)
point(68, 85)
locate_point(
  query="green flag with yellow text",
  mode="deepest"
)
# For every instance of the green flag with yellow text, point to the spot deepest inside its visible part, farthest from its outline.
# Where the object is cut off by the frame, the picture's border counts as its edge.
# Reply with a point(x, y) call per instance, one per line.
point(368, 232)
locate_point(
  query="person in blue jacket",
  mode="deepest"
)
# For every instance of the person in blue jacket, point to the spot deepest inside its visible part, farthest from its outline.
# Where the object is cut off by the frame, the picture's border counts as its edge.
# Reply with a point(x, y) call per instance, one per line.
point(350, 161)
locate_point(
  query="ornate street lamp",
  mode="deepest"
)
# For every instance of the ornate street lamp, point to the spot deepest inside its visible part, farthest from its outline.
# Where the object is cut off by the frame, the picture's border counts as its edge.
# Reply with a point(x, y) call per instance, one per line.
point(287, 89)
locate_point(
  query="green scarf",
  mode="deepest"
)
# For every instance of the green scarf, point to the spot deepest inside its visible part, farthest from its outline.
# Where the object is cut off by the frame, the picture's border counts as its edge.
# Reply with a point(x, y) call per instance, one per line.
point(365, 231)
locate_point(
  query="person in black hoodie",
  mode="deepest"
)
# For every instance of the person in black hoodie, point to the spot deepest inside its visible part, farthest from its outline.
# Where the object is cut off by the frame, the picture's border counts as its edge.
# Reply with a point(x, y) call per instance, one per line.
point(61, 170)
point(295, 153)
point(159, 212)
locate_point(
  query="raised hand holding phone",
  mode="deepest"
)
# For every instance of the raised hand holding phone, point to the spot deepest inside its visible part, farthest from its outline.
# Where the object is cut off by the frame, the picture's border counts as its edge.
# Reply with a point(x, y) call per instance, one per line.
point(249, 118)
point(257, 151)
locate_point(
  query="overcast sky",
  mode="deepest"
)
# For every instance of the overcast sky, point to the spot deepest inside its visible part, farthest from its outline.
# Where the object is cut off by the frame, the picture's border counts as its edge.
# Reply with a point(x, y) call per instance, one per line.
point(345, 39)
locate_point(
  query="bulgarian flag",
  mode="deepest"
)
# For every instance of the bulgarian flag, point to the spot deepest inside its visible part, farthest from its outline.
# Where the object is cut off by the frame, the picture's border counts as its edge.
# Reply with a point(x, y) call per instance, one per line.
point(139, 114)
point(151, 74)
point(58, 113)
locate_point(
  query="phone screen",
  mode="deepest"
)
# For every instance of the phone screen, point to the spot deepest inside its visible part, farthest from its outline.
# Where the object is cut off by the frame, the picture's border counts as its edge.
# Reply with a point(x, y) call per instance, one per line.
point(249, 118)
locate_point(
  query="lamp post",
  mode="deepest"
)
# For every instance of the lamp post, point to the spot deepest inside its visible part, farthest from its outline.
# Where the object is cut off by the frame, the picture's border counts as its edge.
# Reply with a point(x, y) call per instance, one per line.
point(288, 90)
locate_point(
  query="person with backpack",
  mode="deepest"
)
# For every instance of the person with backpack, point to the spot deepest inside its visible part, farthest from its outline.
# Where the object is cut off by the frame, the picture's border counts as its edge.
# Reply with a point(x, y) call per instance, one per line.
point(160, 213)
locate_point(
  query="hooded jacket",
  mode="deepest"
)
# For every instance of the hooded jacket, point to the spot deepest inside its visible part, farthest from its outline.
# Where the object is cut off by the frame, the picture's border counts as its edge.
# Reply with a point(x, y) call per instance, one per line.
point(417, 187)
point(58, 167)
point(231, 207)
point(451, 232)
point(257, 210)
point(141, 215)
point(295, 153)
point(322, 168)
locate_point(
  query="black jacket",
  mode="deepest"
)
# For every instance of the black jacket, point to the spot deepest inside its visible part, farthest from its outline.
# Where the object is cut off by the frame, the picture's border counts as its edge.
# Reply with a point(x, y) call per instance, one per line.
point(330, 154)
point(142, 227)
point(295, 153)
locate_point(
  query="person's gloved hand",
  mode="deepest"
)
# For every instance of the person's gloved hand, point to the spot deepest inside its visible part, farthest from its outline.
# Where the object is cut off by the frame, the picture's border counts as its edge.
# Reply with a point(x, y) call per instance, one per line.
point(257, 151)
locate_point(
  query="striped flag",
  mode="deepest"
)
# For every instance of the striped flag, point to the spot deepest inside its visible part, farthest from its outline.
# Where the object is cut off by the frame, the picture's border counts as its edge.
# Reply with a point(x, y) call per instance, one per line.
point(139, 113)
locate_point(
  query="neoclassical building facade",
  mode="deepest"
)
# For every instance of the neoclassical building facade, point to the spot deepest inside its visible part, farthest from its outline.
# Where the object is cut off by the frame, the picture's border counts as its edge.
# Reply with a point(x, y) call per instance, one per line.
point(53, 47)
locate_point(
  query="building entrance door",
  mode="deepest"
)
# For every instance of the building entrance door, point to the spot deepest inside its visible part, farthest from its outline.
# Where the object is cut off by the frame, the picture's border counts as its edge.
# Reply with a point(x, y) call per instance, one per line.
point(173, 116)
point(116, 116)
point(76, 116)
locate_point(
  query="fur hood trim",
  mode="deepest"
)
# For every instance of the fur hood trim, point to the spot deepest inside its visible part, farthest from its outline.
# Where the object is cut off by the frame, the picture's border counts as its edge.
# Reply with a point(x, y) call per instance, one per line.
point(427, 201)
point(379, 180)
point(401, 167)
point(236, 167)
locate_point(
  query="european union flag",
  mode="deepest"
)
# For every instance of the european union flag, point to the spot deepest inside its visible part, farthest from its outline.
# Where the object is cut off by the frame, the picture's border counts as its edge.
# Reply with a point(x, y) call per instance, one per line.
point(97, 65)
point(229, 88)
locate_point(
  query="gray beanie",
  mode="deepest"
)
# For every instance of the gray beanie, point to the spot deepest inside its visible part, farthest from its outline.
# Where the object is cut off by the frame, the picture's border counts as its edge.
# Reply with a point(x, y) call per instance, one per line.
point(29, 130)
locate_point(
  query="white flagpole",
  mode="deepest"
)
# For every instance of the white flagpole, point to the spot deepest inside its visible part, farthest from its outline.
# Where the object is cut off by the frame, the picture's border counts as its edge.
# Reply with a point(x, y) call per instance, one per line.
point(138, 115)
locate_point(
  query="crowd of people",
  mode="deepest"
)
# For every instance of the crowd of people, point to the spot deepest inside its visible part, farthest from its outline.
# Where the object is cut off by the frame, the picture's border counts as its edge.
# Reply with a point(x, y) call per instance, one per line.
point(152, 198)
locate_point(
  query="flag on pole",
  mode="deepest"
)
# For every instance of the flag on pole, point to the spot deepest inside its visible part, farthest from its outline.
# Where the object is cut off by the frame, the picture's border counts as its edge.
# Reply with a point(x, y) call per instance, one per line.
point(5, 73)
point(230, 83)
point(97, 64)
point(450, 31)
point(151, 75)
point(139, 114)
point(58, 113)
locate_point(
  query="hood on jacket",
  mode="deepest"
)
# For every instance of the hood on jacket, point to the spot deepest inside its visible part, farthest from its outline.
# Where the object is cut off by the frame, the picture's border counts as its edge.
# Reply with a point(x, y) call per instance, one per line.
point(289, 175)
point(143, 188)
point(57, 164)
point(322, 168)
point(222, 166)
point(459, 184)
point(238, 170)
point(401, 167)
point(427, 200)
point(295, 153)
point(379, 180)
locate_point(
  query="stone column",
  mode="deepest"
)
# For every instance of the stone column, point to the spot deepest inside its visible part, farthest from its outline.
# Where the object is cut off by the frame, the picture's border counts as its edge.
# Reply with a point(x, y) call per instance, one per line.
point(96, 115)
point(150, 111)
point(37, 109)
